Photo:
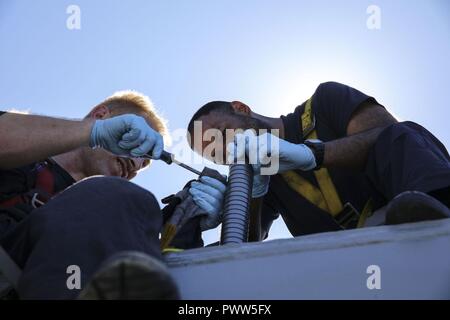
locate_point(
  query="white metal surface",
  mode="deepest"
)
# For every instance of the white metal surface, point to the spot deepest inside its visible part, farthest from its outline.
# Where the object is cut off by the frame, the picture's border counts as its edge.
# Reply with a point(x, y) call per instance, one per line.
point(414, 261)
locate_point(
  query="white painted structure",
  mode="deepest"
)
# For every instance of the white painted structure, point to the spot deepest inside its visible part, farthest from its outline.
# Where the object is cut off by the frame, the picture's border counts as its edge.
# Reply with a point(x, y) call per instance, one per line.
point(414, 262)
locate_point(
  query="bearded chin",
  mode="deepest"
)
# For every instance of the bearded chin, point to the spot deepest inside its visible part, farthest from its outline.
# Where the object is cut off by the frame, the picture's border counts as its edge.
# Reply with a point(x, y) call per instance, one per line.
point(255, 124)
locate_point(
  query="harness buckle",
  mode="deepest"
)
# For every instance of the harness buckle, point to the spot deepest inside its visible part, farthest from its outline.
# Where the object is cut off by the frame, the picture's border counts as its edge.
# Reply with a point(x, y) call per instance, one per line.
point(348, 217)
point(35, 202)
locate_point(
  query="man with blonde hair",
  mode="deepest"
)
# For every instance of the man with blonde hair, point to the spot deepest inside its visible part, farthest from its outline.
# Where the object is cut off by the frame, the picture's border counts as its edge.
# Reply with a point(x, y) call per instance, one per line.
point(98, 236)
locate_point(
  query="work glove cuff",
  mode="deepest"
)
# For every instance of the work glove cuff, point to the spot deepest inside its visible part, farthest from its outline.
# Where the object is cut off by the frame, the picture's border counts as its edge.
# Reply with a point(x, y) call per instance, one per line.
point(260, 186)
point(94, 141)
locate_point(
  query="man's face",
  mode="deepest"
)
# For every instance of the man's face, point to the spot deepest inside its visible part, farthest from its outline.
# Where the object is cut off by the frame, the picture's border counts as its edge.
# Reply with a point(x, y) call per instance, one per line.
point(101, 162)
point(216, 125)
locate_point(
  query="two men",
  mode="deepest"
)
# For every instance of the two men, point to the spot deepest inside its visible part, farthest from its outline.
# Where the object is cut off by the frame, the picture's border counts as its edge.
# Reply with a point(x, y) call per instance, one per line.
point(65, 201)
point(341, 155)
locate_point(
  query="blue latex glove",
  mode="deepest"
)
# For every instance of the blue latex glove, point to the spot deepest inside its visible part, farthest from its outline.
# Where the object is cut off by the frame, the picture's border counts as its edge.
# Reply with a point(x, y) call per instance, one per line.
point(260, 185)
point(269, 154)
point(208, 194)
point(127, 135)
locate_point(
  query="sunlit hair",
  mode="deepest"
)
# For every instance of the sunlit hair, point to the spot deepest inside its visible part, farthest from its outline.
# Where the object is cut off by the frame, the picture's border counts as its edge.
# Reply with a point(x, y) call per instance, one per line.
point(130, 101)
point(19, 111)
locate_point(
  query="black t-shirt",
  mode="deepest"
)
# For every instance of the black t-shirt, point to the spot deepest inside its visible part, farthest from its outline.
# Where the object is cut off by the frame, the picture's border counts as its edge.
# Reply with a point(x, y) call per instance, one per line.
point(333, 105)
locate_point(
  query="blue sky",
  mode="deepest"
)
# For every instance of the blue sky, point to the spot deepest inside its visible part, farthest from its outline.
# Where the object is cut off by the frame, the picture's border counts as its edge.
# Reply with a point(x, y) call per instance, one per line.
point(269, 54)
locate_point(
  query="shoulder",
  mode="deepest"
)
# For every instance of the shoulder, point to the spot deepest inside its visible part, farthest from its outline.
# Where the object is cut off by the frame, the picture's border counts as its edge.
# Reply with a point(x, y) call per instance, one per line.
point(331, 89)
point(333, 96)
point(334, 104)
point(15, 180)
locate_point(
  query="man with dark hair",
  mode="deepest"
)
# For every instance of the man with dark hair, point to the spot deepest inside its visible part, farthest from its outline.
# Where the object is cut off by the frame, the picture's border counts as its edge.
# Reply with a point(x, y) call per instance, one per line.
point(341, 156)
point(67, 205)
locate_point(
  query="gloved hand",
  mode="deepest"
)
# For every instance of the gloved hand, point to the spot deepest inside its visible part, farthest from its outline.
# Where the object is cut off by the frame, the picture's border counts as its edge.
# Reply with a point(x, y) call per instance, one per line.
point(127, 135)
point(269, 154)
point(208, 194)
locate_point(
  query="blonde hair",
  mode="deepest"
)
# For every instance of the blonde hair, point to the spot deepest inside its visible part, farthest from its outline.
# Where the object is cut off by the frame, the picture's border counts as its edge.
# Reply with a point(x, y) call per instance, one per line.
point(135, 102)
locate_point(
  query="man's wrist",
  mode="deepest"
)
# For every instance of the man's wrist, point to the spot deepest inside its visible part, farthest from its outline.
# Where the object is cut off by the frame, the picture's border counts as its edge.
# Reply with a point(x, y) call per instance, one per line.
point(318, 149)
point(86, 131)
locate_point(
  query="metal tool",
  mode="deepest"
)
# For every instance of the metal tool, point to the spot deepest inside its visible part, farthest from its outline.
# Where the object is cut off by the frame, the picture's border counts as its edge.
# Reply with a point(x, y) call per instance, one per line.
point(169, 158)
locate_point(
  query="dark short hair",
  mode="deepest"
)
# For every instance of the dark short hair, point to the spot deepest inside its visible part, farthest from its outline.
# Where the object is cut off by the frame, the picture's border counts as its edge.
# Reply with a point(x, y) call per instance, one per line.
point(220, 106)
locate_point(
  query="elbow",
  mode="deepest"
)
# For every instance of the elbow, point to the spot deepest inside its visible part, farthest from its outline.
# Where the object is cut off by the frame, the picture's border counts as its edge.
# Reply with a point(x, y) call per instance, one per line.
point(5, 165)
point(8, 159)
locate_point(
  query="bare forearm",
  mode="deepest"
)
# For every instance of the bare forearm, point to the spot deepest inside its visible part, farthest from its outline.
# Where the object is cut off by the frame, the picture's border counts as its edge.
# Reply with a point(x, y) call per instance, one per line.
point(350, 152)
point(363, 130)
point(28, 138)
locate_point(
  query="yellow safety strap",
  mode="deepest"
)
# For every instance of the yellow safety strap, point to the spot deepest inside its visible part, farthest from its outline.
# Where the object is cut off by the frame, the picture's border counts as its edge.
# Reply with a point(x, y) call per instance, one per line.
point(327, 187)
point(306, 189)
point(365, 213)
point(167, 235)
point(169, 232)
point(326, 197)
point(171, 250)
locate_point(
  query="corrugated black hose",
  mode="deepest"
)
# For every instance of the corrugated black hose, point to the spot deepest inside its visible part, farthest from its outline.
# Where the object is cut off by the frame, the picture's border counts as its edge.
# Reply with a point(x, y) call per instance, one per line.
point(238, 195)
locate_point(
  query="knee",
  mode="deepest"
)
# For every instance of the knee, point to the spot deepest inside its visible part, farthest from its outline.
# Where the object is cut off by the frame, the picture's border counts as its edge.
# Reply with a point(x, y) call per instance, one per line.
point(114, 192)
point(116, 188)
point(399, 131)
point(388, 142)
point(103, 183)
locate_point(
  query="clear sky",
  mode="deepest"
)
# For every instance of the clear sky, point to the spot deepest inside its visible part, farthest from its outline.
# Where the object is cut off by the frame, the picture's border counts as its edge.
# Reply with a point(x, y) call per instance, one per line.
point(269, 54)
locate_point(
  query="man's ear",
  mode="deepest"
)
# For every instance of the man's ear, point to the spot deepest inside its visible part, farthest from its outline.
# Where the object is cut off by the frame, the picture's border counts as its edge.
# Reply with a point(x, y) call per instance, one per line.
point(240, 107)
point(100, 112)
